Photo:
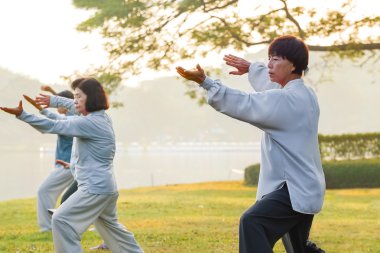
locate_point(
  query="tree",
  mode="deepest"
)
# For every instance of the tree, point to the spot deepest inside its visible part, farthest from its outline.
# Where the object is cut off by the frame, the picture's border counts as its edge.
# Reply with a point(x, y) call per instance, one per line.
point(158, 33)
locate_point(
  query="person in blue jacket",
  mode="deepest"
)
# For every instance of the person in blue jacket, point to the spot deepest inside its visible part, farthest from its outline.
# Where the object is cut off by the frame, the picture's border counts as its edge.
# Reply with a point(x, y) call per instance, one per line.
point(59, 178)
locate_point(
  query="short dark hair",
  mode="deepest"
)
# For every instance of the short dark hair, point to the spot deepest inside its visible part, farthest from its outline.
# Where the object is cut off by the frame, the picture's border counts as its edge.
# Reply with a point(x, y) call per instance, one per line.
point(292, 49)
point(76, 82)
point(96, 96)
point(66, 94)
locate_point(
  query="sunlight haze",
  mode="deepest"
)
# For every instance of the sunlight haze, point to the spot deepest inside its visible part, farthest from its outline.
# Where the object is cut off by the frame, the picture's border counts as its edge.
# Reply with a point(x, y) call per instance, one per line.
point(40, 40)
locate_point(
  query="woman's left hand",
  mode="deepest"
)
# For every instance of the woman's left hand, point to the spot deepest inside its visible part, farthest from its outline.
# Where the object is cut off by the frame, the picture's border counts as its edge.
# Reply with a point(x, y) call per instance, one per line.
point(15, 111)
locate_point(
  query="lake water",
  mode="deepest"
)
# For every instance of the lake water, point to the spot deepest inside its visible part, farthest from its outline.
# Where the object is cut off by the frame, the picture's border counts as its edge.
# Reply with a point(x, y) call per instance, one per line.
point(22, 171)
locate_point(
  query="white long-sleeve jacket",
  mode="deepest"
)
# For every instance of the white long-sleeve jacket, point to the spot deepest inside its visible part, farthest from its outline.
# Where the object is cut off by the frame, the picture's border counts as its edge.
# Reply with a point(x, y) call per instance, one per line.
point(289, 148)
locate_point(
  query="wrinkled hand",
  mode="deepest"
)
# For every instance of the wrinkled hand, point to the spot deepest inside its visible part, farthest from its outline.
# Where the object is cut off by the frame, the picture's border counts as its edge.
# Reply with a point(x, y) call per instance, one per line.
point(197, 74)
point(65, 165)
point(33, 102)
point(15, 111)
point(48, 89)
point(43, 100)
point(241, 65)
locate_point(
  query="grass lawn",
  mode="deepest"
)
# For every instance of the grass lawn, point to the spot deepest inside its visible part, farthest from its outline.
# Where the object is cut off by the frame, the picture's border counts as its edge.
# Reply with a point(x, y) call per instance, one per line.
point(203, 218)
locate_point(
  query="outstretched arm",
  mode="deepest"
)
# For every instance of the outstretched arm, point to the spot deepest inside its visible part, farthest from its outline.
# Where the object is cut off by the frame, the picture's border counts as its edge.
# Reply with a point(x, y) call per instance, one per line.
point(264, 110)
point(75, 126)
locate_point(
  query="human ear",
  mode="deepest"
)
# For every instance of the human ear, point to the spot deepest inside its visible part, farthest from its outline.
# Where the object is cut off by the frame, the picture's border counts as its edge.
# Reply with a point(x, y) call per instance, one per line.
point(292, 68)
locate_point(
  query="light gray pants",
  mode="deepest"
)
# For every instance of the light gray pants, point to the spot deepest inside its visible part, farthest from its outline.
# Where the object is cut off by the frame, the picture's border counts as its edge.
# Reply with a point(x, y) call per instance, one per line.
point(82, 209)
point(48, 192)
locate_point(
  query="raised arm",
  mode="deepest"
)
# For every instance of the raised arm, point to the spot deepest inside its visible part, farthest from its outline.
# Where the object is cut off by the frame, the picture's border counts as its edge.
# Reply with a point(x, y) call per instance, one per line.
point(262, 109)
point(258, 77)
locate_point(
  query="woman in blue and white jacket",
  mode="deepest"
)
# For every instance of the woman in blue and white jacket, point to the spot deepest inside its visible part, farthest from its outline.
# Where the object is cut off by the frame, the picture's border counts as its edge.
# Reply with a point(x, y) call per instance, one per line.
point(92, 162)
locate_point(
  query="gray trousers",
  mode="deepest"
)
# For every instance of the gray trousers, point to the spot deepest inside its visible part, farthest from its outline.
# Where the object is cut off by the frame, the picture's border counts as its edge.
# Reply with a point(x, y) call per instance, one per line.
point(81, 210)
point(48, 192)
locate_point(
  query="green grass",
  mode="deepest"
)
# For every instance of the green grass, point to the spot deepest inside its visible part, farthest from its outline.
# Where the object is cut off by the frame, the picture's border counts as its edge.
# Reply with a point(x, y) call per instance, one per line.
point(203, 218)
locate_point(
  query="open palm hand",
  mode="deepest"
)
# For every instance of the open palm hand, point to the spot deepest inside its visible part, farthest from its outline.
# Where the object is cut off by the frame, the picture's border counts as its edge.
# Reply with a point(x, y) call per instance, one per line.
point(15, 111)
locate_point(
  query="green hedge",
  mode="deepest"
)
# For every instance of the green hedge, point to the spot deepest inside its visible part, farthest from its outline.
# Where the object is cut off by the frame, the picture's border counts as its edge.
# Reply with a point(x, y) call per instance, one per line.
point(349, 146)
point(364, 173)
point(251, 174)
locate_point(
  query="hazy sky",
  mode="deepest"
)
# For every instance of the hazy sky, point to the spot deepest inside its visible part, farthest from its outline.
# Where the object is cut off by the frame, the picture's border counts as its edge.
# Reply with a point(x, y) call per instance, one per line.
point(39, 37)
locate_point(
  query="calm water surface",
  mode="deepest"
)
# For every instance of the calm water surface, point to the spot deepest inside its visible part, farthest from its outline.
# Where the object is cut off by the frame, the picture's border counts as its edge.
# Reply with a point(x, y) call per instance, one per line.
point(22, 172)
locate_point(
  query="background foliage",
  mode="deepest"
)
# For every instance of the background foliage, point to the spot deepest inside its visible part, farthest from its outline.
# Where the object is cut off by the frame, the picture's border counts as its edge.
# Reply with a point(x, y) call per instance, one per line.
point(349, 146)
point(155, 34)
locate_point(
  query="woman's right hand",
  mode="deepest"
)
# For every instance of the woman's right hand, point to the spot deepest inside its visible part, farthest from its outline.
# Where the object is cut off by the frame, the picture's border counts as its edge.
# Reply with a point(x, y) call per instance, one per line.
point(43, 100)
point(197, 74)
point(15, 111)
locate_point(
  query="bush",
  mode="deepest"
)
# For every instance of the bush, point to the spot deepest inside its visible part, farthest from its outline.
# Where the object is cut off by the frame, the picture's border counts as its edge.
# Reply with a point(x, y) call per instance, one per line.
point(251, 174)
point(349, 146)
point(339, 174)
point(352, 174)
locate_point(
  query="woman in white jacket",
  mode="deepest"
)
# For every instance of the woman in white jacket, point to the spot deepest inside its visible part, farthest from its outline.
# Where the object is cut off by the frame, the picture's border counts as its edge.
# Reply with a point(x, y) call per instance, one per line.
point(291, 184)
point(92, 163)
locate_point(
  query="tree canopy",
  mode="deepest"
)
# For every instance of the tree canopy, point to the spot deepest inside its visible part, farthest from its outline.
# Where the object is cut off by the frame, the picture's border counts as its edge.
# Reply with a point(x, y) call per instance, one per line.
point(155, 34)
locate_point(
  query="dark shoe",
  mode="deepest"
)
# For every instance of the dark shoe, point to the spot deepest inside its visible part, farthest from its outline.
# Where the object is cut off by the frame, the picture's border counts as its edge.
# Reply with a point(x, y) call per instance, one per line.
point(313, 248)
